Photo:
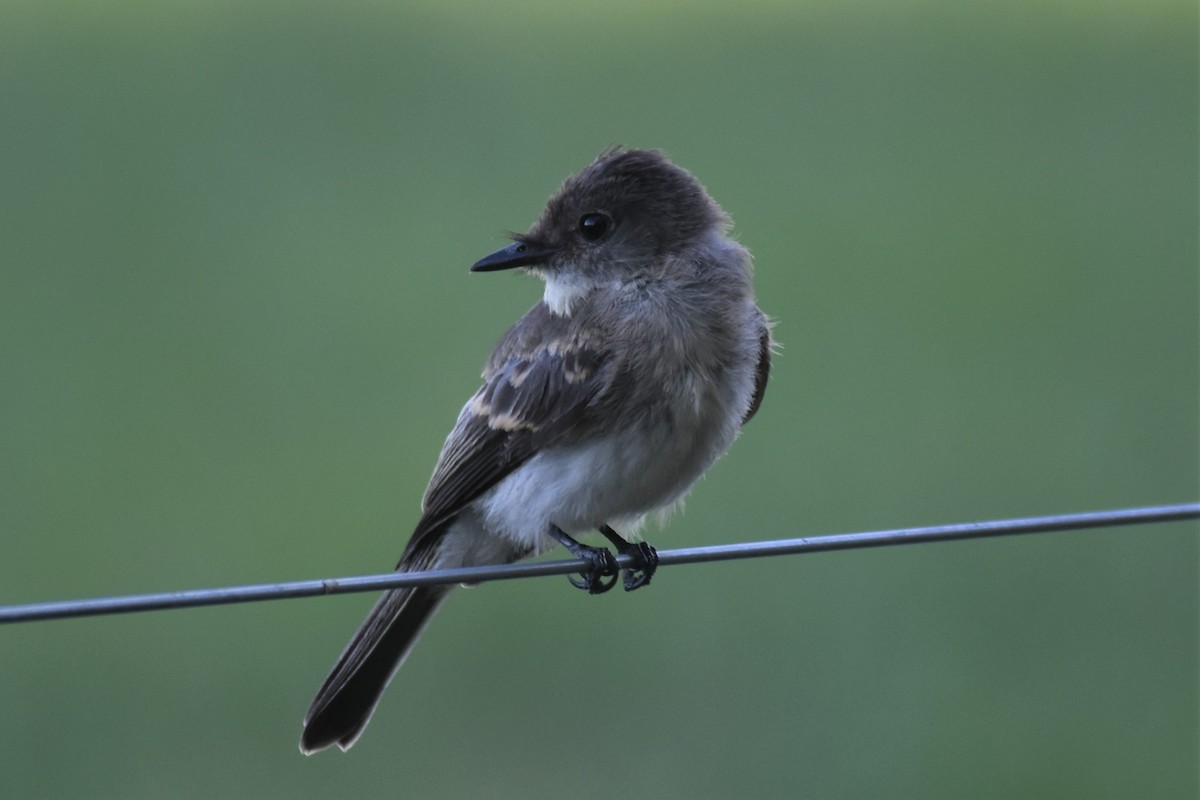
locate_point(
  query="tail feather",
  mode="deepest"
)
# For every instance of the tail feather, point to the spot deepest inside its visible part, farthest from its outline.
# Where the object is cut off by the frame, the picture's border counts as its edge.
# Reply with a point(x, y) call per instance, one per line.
point(345, 702)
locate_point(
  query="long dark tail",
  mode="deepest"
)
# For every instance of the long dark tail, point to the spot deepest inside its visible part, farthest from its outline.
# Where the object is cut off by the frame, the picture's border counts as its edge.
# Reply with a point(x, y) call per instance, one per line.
point(347, 699)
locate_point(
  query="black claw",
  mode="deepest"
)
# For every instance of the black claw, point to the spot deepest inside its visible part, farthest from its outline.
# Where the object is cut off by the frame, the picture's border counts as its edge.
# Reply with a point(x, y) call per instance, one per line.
point(602, 564)
point(647, 562)
point(645, 559)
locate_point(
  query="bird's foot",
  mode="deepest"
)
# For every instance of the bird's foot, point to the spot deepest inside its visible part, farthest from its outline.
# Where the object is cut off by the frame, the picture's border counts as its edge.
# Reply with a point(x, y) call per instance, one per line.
point(645, 559)
point(602, 571)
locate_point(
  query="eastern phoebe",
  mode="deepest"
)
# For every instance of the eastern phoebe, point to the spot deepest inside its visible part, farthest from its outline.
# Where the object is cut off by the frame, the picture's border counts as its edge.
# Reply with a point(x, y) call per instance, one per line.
point(605, 402)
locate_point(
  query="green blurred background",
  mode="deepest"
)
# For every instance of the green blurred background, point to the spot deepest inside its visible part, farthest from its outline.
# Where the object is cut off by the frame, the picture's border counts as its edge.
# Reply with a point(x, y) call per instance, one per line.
point(236, 323)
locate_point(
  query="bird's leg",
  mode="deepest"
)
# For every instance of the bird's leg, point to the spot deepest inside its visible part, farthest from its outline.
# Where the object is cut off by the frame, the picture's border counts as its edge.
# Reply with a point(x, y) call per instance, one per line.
point(645, 559)
point(601, 560)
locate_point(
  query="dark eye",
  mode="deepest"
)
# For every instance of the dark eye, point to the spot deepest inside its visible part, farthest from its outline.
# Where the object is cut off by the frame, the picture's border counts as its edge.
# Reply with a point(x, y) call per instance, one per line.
point(593, 226)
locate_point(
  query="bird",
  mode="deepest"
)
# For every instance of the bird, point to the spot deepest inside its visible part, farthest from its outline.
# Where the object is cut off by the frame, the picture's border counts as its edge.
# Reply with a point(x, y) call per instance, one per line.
point(601, 406)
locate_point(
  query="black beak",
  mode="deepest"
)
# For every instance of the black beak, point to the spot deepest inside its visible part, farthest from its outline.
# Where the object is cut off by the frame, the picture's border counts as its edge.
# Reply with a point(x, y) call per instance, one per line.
point(517, 254)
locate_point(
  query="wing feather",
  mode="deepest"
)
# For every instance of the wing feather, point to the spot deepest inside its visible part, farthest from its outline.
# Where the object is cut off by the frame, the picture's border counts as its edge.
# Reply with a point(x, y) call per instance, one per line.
point(762, 373)
point(531, 396)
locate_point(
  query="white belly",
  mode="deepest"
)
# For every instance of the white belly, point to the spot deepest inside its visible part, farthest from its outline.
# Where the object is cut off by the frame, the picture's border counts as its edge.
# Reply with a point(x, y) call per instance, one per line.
point(616, 480)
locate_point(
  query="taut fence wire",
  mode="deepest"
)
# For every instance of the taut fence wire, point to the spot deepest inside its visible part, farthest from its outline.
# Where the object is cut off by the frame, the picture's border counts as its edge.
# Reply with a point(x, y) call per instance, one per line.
point(689, 555)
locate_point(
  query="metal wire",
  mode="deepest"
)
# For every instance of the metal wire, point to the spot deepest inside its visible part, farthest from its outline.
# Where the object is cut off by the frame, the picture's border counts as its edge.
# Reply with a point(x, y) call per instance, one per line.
point(690, 555)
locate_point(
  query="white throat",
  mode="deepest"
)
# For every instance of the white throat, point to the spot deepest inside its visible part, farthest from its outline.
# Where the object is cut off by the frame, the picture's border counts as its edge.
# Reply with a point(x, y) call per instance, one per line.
point(564, 290)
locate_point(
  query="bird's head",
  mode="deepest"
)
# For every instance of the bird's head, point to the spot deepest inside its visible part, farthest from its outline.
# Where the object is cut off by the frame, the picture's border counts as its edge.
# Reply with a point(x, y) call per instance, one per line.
point(629, 213)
